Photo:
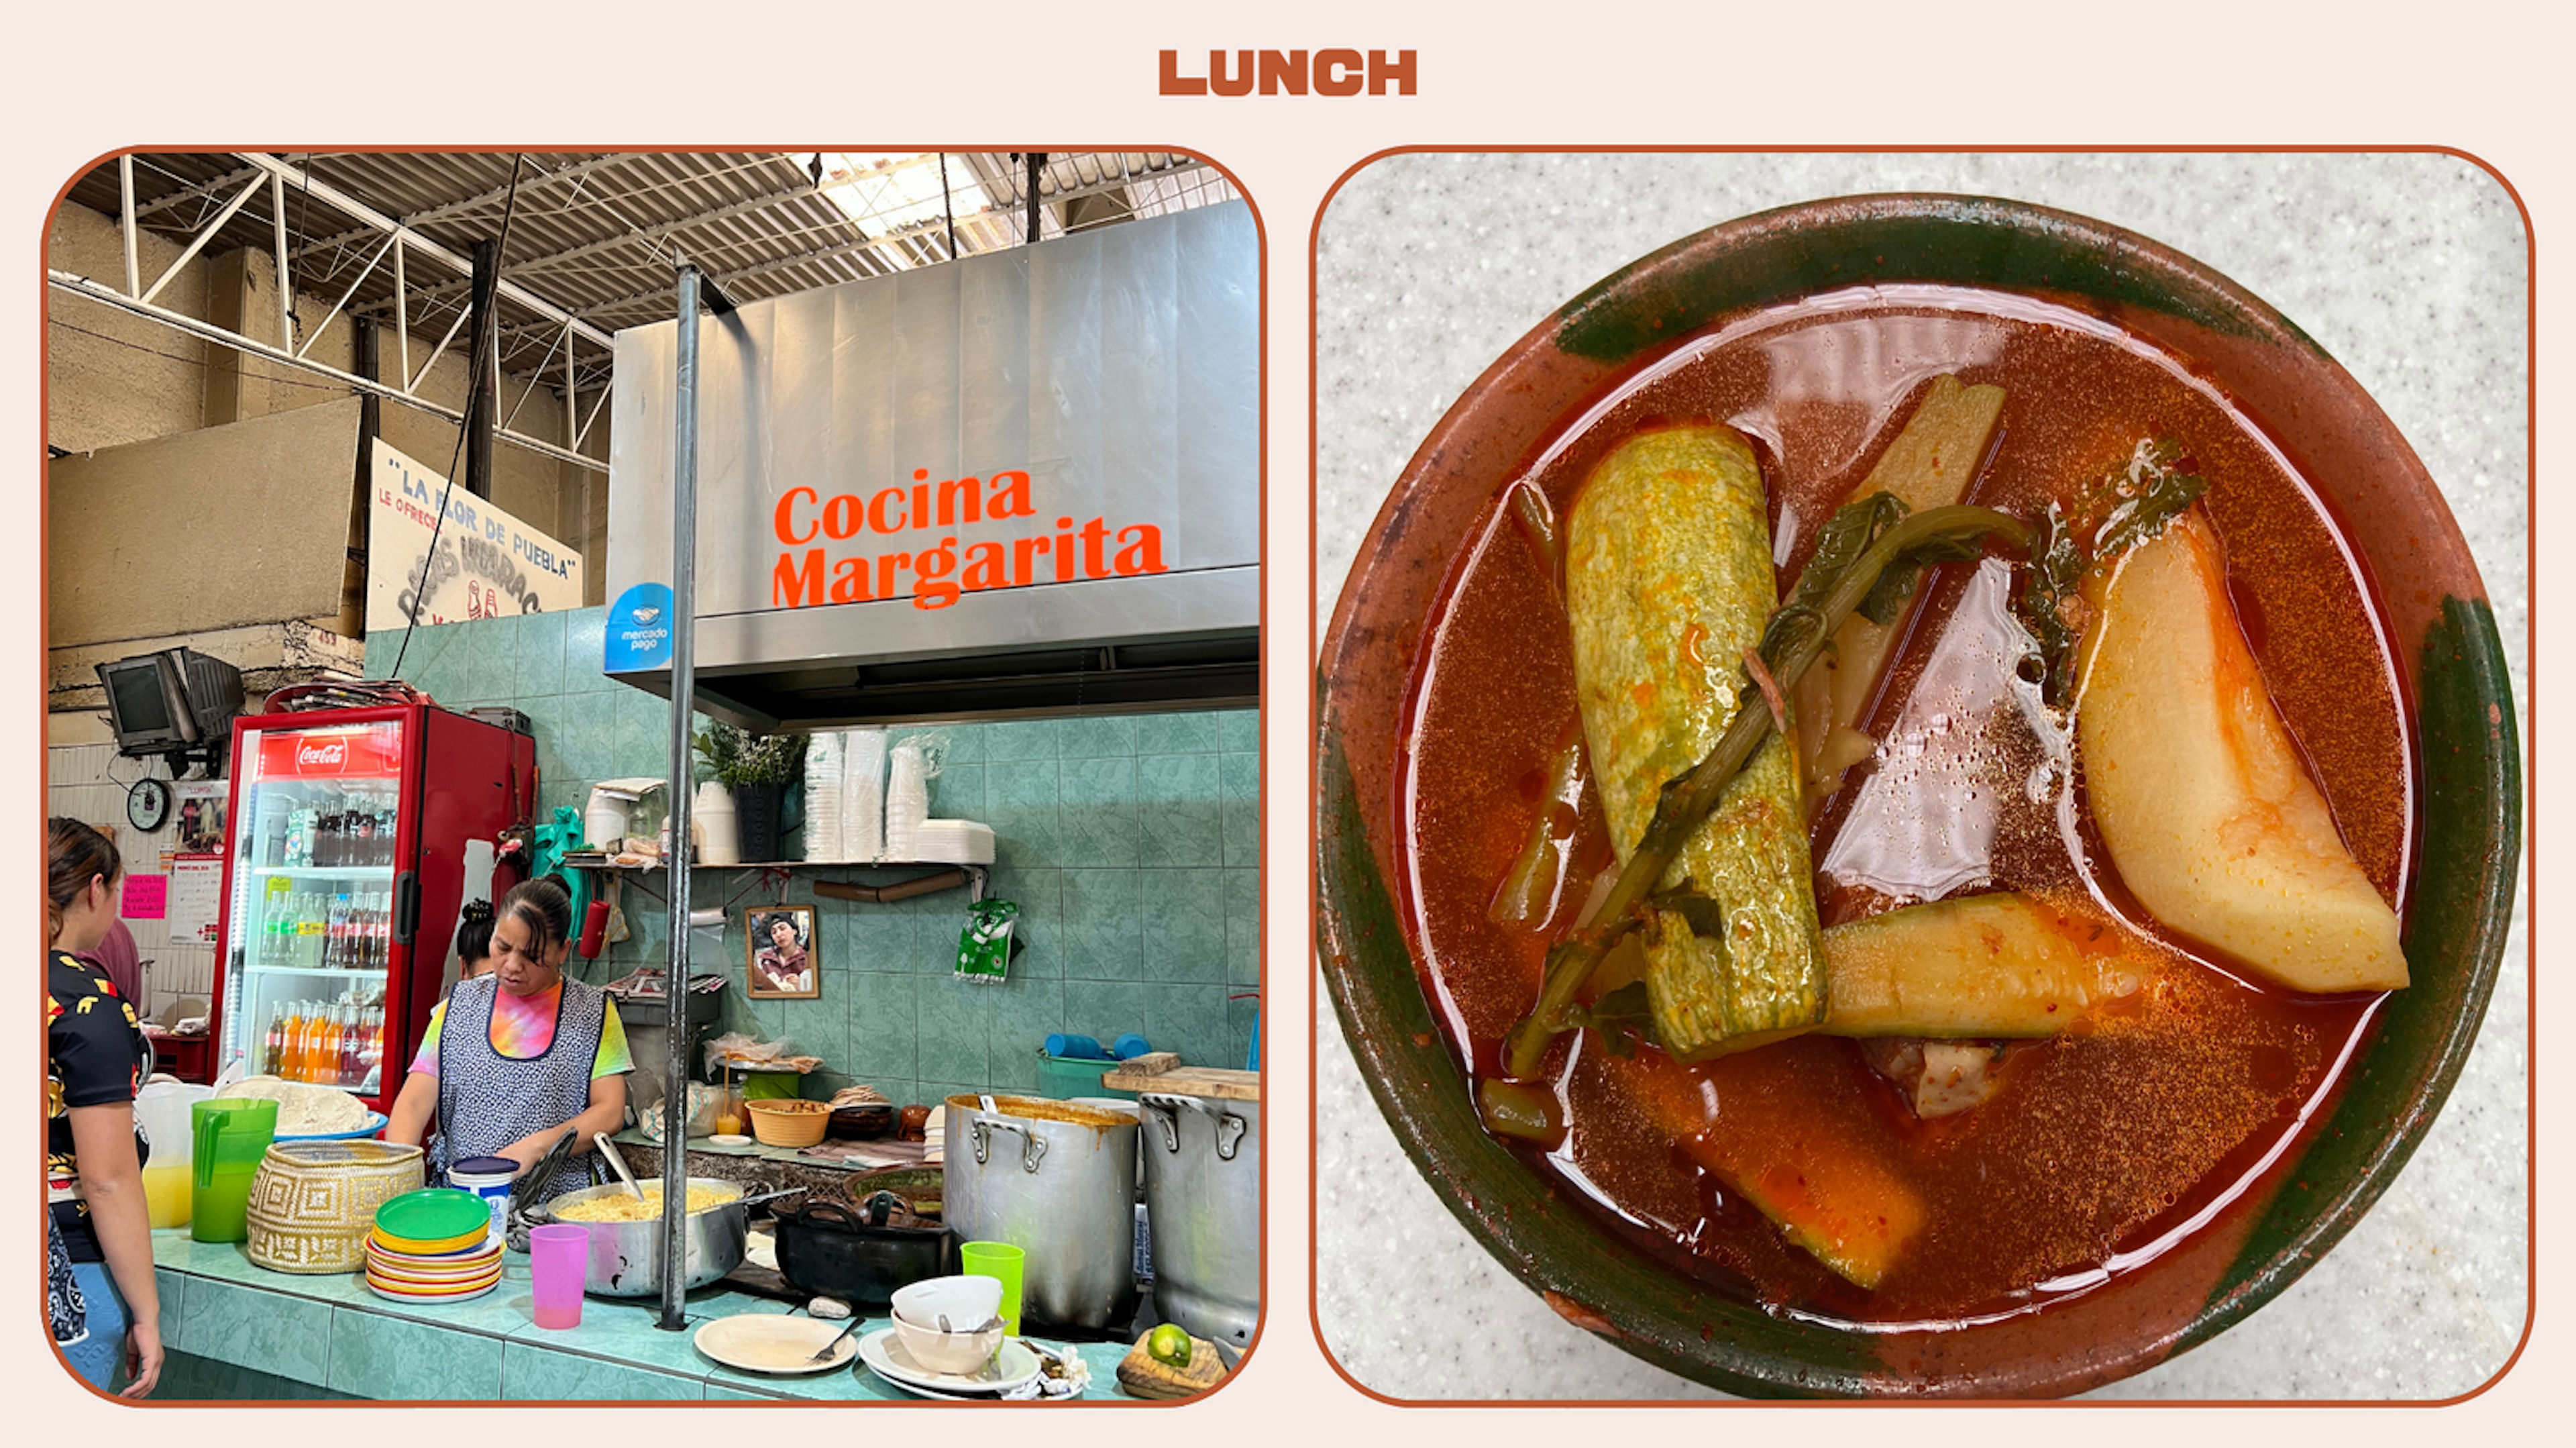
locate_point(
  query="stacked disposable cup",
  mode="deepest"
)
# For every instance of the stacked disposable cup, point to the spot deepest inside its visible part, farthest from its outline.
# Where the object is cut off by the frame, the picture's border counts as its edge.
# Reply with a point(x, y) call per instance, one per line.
point(823, 793)
point(907, 800)
point(863, 794)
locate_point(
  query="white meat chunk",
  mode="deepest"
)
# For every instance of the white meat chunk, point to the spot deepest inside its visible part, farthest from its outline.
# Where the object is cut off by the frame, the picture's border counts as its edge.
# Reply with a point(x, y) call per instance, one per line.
point(1936, 1078)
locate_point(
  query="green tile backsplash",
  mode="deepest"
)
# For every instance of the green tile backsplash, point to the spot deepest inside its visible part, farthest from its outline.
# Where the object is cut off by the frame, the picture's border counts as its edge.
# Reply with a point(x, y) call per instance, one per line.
point(1132, 845)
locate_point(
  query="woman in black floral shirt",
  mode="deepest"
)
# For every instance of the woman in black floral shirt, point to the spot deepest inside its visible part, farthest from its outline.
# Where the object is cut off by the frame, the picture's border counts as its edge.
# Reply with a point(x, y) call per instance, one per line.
point(105, 1311)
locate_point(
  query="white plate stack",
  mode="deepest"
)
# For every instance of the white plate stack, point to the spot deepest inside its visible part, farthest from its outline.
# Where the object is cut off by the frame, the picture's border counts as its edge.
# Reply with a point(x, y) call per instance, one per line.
point(953, 842)
point(863, 799)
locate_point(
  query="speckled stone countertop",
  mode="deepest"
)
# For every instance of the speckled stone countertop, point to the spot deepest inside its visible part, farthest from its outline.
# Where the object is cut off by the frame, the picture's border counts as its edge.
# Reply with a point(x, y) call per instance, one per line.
point(2411, 270)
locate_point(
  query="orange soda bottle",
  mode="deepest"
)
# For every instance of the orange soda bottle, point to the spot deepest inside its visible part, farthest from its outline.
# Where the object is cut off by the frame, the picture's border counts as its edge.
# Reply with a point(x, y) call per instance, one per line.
point(321, 1046)
point(288, 1060)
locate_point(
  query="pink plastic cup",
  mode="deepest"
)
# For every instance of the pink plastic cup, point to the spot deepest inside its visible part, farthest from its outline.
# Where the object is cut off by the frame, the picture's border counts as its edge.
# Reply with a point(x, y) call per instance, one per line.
point(555, 1258)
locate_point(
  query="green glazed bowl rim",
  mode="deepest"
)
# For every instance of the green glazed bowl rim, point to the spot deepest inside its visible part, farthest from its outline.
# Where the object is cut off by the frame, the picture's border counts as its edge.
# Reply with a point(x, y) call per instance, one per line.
point(2453, 679)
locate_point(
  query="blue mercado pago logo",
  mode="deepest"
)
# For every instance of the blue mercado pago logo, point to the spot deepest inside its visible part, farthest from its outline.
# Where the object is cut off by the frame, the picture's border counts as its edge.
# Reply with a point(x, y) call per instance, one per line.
point(638, 635)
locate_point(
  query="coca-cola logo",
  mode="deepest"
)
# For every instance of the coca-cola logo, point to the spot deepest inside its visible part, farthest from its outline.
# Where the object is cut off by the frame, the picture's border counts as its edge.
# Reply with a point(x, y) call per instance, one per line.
point(333, 754)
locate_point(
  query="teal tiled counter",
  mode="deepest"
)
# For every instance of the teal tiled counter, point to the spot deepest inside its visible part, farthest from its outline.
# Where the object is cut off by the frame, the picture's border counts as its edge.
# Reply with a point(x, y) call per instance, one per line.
point(236, 1331)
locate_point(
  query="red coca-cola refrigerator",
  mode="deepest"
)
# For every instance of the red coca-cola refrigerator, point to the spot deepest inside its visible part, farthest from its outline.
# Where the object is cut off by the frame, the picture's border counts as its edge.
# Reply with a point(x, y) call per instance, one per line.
point(350, 829)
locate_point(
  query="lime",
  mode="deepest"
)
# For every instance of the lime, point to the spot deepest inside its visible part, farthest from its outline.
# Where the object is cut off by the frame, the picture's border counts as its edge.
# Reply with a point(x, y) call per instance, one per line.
point(1169, 1344)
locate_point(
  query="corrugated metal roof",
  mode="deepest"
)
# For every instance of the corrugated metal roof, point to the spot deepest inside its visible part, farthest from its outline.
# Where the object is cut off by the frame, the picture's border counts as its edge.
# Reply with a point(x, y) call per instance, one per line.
point(598, 234)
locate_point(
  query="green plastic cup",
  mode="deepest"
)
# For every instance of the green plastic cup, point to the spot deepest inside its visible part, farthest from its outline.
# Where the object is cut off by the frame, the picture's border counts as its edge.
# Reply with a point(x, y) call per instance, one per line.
point(1003, 1261)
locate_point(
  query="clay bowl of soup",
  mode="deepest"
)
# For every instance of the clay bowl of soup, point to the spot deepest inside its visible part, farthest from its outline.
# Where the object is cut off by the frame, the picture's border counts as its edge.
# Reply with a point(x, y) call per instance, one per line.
point(2125, 1189)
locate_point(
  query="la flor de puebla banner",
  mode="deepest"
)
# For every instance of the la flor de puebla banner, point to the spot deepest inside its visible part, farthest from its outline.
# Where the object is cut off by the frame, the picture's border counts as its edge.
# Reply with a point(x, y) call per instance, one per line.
point(488, 564)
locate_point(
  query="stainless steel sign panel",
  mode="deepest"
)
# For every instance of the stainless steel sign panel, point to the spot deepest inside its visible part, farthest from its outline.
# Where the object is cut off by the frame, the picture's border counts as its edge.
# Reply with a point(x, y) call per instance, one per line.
point(892, 466)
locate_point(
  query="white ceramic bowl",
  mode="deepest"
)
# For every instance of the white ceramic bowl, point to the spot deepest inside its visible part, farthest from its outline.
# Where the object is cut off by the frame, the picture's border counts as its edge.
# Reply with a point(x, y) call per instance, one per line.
point(961, 1353)
point(967, 1301)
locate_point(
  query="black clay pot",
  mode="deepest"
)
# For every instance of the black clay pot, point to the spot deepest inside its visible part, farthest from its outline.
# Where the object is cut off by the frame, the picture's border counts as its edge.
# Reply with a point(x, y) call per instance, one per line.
point(830, 1250)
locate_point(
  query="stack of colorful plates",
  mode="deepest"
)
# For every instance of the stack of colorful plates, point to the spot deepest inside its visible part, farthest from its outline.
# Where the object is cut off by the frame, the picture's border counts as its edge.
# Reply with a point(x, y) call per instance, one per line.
point(433, 1246)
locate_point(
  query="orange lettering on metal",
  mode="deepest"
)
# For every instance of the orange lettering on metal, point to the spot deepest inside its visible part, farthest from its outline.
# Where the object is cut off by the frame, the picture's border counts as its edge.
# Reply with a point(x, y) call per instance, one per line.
point(781, 522)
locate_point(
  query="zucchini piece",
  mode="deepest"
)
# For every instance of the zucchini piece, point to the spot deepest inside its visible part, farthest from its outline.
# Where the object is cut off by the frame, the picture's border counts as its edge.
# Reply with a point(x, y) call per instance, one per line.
point(1668, 584)
point(1977, 968)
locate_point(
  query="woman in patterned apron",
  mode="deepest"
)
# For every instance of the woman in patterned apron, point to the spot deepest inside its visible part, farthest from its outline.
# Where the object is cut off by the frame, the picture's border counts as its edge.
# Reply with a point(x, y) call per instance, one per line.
point(100, 1298)
point(515, 1058)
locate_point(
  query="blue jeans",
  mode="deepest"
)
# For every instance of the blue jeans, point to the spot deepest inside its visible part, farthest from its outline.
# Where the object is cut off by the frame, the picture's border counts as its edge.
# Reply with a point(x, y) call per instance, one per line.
point(99, 1356)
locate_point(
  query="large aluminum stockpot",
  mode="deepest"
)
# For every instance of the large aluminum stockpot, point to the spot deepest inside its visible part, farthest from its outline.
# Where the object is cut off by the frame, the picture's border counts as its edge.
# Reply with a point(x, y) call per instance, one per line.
point(625, 1258)
point(1058, 1181)
point(1203, 1196)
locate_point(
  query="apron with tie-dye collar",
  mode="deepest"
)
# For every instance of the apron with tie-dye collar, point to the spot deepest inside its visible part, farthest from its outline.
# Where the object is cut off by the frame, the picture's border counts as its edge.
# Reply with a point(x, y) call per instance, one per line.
point(487, 1100)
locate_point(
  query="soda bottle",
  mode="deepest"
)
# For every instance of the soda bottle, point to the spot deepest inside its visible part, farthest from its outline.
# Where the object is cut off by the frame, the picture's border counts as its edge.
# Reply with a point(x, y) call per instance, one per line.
point(290, 1040)
point(274, 1055)
point(345, 1065)
point(312, 929)
point(321, 1045)
point(272, 909)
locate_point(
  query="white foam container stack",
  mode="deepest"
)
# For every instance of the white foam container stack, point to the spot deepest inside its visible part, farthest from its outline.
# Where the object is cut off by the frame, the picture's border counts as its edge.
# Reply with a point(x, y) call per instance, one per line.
point(953, 842)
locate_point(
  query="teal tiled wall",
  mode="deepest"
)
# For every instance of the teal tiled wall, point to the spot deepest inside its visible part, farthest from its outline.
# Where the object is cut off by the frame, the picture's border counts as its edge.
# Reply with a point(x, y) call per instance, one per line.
point(1131, 843)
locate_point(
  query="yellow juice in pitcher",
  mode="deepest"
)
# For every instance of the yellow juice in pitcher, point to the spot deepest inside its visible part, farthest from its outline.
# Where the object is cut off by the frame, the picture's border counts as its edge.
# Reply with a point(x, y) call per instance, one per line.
point(165, 1193)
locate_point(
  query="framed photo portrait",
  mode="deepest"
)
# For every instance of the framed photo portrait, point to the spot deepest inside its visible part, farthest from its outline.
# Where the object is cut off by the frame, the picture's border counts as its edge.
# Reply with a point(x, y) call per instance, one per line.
point(779, 956)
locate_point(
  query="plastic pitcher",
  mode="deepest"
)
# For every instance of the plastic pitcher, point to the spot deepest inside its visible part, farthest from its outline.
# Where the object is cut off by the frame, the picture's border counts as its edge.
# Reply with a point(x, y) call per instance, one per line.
point(231, 1137)
point(161, 1109)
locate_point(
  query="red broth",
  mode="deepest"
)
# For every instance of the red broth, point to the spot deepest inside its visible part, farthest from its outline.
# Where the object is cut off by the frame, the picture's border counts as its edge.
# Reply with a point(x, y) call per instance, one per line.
point(2100, 1148)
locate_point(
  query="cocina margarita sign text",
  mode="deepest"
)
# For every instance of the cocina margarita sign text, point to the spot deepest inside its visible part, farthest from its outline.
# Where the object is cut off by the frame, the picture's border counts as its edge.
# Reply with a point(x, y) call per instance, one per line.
point(820, 563)
point(1050, 444)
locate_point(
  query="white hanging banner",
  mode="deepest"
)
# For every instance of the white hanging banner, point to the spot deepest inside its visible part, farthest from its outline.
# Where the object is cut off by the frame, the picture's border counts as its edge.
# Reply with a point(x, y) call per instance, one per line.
point(488, 564)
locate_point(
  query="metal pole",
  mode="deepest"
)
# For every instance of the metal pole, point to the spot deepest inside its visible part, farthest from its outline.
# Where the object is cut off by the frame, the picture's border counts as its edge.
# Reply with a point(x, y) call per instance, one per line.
point(125, 223)
point(482, 396)
point(684, 605)
point(285, 279)
point(402, 316)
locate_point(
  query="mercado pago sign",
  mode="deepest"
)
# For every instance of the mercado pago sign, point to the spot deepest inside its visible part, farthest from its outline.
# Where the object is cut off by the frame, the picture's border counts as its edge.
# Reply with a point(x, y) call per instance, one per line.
point(963, 442)
point(471, 561)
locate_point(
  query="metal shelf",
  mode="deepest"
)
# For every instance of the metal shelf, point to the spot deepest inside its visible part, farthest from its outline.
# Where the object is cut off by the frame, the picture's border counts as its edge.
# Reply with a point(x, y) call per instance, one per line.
point(979, 878)
point(704, 1008)
point(328, 872)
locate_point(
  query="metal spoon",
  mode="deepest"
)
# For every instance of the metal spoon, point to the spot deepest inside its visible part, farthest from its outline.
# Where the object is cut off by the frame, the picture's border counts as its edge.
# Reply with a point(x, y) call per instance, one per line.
point(608, 1149)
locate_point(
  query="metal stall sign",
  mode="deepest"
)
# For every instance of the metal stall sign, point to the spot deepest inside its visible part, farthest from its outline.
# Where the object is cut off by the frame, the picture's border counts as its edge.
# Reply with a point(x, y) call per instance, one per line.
point(488, 564)
point(1053, 445)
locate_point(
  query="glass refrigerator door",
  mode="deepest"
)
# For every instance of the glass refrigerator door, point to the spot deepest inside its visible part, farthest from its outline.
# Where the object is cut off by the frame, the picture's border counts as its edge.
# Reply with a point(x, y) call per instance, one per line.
point(312, 904)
